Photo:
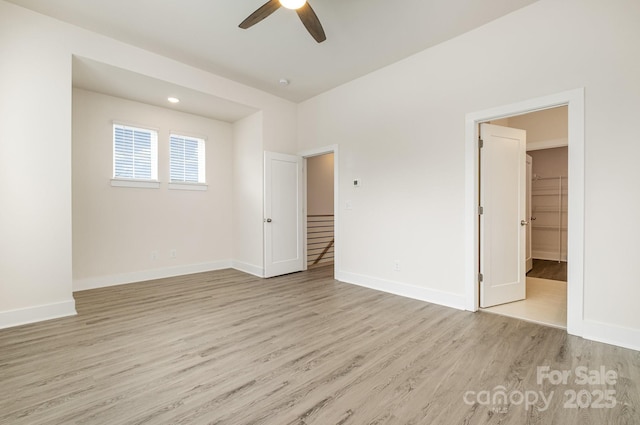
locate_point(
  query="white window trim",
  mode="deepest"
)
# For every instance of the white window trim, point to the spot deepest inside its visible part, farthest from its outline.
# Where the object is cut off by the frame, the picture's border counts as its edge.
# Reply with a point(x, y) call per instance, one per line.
point(144, 184)
point(188, 186)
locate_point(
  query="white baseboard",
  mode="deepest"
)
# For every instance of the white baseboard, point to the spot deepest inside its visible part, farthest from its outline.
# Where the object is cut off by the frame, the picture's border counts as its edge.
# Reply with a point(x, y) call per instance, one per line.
point(612, 334)
point(548, 255)
point(141, 276)
point(39, 313)
point(404, 289)
point(248, 268)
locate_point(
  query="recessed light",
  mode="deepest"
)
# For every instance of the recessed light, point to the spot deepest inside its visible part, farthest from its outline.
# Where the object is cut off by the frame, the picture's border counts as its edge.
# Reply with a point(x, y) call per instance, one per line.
point(173, 99)
point(284, 82)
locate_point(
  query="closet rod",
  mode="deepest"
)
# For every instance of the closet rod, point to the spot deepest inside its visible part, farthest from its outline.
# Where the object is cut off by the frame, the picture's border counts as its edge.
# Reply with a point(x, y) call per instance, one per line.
point(535, 177)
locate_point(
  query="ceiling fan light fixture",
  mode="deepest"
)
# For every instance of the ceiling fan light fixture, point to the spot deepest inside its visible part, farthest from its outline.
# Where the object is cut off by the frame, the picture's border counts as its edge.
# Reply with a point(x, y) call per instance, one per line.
point(303, 10)
point(293, 4)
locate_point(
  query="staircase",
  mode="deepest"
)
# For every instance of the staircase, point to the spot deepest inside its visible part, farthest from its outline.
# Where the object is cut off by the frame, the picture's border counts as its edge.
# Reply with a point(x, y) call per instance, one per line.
point(320, 240)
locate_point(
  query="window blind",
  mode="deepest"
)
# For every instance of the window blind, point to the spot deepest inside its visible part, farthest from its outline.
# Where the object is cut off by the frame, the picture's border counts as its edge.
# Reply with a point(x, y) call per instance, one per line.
point(135, 153)
point(186, 162)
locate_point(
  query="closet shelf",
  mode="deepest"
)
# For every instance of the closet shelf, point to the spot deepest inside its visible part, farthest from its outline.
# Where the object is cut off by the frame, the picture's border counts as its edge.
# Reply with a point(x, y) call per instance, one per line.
point(548, 227)
point(549, 192)
point(549, 210)
point(552, 193)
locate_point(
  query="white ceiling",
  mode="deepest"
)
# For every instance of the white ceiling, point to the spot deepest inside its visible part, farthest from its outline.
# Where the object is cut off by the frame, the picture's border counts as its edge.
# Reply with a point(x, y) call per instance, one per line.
point(362, 35)
point(102, 78)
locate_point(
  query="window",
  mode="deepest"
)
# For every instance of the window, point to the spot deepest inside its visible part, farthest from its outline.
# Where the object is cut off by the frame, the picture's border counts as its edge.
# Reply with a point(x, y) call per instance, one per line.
point(186, 164)
point(135, 154)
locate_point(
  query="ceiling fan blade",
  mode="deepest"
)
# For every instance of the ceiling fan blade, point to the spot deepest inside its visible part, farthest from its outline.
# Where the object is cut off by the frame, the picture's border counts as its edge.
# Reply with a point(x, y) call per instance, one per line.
point(311, 22)
point(262, 12)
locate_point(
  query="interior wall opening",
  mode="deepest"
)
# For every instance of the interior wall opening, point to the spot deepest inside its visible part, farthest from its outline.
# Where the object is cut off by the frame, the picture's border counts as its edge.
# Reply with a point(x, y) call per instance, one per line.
point(320, 216)
point(547, 218)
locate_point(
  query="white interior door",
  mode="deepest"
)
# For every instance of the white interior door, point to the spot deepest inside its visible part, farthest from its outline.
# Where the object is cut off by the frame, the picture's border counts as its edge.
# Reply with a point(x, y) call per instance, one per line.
point(283, 219)
point(529, 255)
point(504, 221)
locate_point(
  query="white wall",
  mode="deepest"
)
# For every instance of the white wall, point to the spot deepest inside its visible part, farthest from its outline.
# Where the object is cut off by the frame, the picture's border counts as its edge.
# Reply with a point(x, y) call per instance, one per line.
point(545, 125)
point(35, 170)
point(401, 130)
point(35, 109)
point(545, 129)
point(550, 162)
point(116, 229)
point(248, 173)
point(320, 185)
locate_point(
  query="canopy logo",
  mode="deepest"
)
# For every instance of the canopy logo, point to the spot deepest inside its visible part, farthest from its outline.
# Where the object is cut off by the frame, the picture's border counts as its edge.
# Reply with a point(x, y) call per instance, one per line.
point(500, 399)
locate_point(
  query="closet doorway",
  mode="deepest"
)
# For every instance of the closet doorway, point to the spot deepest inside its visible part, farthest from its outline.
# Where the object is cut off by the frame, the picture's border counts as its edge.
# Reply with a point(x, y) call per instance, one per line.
point(547, 209)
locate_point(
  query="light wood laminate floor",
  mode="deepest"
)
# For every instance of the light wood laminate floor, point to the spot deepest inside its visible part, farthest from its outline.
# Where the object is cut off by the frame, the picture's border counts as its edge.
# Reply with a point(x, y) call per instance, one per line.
point(228, 348)
point(547, 269)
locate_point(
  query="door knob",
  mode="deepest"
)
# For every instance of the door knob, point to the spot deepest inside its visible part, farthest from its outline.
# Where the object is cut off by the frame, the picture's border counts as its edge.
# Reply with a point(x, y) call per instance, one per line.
point(268, 220)
point(523, 223)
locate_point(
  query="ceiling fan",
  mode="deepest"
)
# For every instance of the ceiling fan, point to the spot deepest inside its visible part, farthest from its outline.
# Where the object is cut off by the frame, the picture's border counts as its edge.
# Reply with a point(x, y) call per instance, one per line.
point(302, 8)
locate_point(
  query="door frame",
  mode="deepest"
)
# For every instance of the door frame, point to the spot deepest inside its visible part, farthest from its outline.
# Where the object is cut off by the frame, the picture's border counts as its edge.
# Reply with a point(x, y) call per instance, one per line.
point(529, 208)
point(336, 201)
point(574, 100)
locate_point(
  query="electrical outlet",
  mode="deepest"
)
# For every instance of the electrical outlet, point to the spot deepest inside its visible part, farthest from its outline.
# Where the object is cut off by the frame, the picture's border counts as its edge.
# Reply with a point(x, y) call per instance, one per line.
point(173, 253)
point(396, 265)
point(154, 255)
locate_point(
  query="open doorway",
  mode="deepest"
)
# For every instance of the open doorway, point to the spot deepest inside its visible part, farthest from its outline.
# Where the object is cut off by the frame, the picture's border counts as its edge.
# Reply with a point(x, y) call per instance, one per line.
point(321, 218)
point(320, 241)
point(546, 218)
point(575, 100)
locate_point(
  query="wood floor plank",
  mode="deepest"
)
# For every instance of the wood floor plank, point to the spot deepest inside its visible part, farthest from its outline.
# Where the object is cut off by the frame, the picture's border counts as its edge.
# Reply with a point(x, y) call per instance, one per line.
point(229, 348)
point(548, 269)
